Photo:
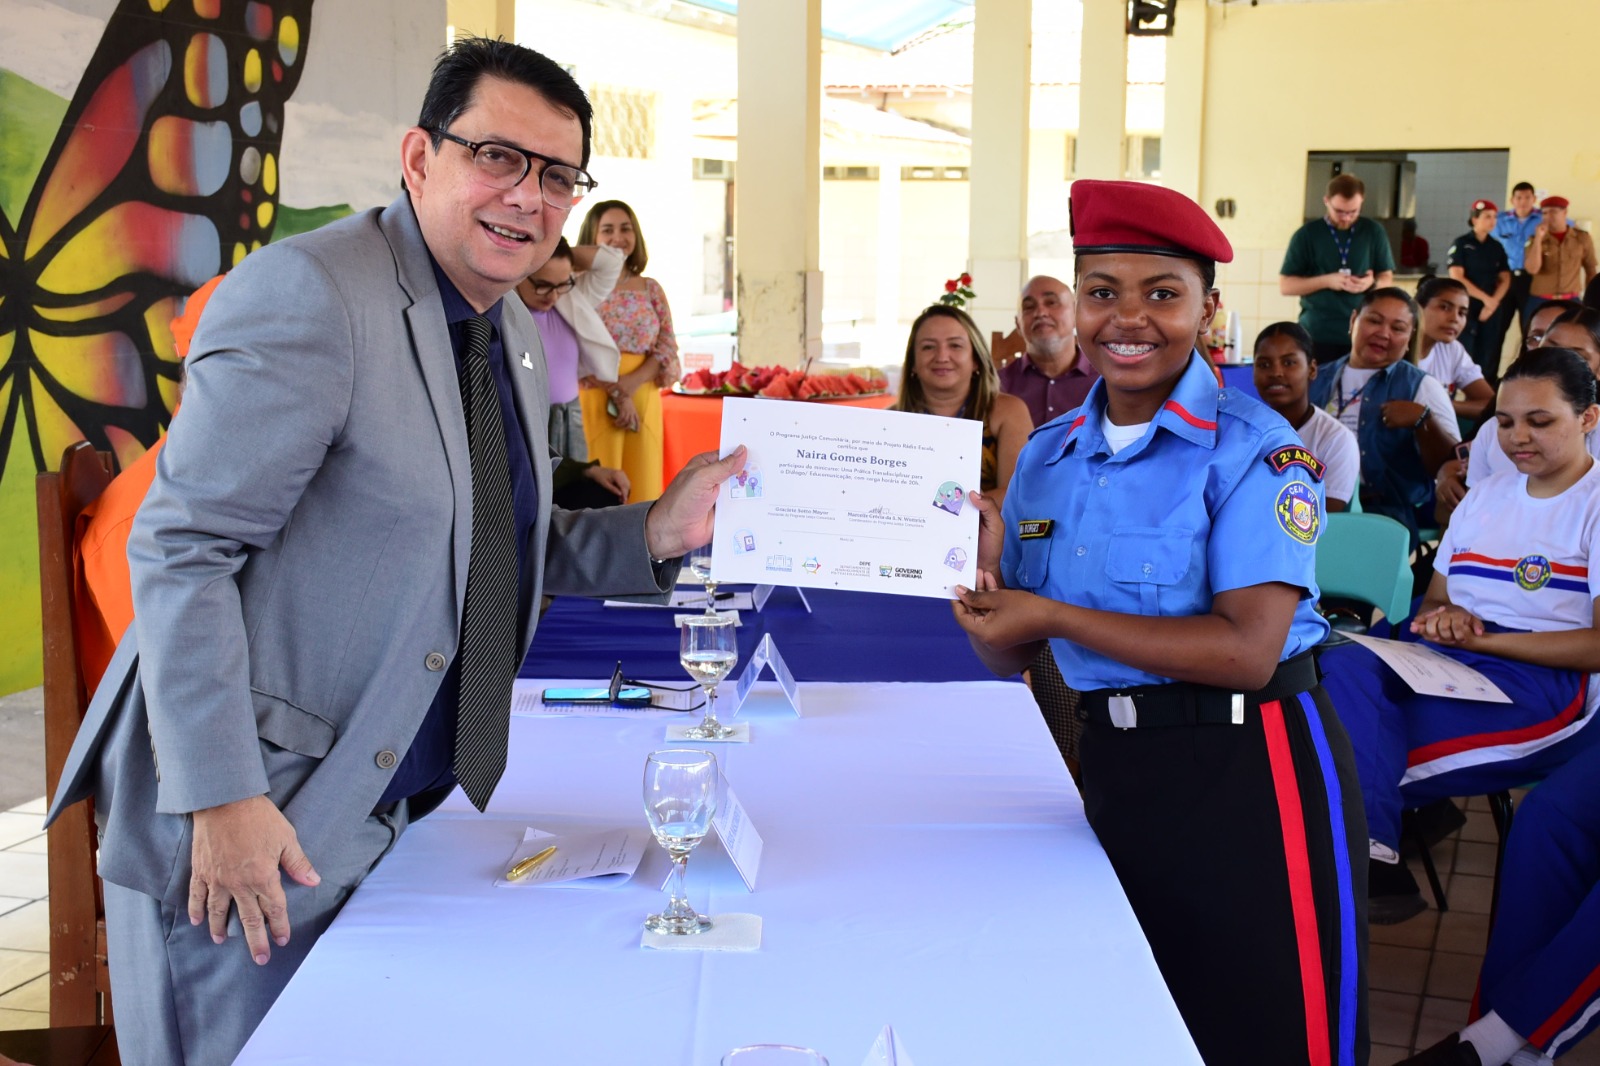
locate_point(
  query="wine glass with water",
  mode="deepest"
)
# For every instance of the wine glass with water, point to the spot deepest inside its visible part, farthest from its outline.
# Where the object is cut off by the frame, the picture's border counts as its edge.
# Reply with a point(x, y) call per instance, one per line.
point(680, 799)
point(707, 649)
point(699, 563)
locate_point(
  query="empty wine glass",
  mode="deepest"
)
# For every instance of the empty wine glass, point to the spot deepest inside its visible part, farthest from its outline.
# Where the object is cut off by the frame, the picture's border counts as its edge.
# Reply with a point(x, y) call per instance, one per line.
point(707, 648)
point(773, 1055)
point(680, 799)
point(699, 563)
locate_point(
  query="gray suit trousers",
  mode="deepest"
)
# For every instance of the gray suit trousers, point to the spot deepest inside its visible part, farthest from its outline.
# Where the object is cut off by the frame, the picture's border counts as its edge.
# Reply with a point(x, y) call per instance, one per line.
point(180, 999)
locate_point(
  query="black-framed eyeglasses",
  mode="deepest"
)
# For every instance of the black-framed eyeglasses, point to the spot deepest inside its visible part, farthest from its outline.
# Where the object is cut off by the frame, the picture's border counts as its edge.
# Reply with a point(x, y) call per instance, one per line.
point(503, 166)
point(560, 288)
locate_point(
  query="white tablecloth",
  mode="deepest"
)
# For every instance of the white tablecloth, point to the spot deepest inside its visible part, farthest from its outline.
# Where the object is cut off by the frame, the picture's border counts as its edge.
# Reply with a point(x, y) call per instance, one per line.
point(927, 865)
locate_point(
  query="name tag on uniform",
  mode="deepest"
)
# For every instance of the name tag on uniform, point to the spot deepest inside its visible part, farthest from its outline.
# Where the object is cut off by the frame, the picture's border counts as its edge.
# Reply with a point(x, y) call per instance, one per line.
point(1284, 458)
point(1035, 528)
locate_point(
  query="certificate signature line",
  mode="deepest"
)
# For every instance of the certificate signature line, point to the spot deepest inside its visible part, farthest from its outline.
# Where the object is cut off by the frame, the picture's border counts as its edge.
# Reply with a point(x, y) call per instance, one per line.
point(852, 535)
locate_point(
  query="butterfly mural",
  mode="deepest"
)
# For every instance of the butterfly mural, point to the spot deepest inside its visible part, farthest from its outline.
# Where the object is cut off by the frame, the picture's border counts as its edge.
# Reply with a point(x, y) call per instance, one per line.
point(163, 174)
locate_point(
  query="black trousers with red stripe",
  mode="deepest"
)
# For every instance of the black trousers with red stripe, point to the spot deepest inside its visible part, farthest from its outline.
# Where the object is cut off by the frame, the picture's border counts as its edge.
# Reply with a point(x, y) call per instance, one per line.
point(1243, 849)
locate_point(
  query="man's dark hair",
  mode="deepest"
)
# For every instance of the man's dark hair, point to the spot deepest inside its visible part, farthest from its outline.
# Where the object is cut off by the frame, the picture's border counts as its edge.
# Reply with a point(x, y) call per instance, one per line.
point(563, 250)
point(1521, 186)
point(1346, 185)
point(470, 59)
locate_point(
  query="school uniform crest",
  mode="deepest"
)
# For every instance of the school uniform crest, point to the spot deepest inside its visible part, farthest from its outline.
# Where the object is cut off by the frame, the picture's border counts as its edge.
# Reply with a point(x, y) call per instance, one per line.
point(1532, 572)
point(1299, 512)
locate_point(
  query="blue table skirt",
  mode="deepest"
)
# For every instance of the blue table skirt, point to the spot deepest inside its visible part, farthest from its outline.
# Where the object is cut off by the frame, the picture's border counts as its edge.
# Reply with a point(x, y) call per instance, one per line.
point(850, 636)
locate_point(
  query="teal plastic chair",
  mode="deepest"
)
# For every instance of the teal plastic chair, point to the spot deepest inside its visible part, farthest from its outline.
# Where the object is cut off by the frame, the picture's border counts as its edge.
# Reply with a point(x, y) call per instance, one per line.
point(1366, 557)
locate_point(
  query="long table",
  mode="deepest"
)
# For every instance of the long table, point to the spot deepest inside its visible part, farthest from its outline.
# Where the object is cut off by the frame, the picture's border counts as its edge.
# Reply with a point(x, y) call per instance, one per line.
point(845, 636)
point(927, 865)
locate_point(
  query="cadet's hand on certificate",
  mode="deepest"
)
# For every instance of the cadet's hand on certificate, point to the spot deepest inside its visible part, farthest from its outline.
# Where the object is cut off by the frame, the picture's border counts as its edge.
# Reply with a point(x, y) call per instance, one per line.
point(682, 518)
point(238, 848)
point(1002, 618)
point(991, 533)
point(1448, 625)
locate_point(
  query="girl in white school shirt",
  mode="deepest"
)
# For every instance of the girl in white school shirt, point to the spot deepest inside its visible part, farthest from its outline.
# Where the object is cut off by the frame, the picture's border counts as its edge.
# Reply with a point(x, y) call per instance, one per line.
point(1444, 304)
point(1513, 596)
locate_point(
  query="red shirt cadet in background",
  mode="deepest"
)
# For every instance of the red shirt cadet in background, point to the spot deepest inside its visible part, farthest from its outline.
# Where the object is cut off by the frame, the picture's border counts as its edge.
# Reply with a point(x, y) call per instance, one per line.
point(104, 592)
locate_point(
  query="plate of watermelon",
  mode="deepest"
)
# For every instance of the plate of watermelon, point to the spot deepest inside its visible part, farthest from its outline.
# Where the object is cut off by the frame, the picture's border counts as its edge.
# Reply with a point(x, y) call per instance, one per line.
point(781, 383)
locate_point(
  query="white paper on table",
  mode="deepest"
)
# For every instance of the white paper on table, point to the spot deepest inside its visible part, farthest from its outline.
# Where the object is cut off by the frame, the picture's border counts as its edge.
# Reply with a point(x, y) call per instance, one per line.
point(765, 655)
point(1430, 672)
point(582, 860)
point(848, 498)
point(695, 599)
point(732, 829)
point(887, 1050)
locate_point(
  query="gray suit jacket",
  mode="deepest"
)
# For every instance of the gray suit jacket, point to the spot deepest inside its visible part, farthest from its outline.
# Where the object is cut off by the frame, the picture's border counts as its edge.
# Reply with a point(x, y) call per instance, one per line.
point(300, 562)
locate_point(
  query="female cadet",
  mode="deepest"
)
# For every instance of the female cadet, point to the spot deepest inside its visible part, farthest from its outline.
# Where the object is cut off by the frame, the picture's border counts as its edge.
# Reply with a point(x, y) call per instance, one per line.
point(1162, 541)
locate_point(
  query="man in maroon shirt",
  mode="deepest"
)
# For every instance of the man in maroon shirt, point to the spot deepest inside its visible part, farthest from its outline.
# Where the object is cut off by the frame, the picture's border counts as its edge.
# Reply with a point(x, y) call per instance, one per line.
point(1051, 378)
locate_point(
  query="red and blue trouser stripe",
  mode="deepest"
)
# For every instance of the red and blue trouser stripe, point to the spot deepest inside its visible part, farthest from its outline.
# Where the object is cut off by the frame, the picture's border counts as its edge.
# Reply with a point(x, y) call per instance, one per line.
point(1412, 749)
point(1541, 972)
point(1242, 849)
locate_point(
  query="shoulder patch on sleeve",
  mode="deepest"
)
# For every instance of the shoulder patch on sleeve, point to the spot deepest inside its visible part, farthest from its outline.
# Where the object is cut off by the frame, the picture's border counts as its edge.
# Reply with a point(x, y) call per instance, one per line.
point(1295, 455)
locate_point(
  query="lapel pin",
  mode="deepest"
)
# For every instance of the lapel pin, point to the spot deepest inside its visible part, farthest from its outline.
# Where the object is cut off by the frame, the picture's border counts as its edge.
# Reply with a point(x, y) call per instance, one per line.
point(527, 361)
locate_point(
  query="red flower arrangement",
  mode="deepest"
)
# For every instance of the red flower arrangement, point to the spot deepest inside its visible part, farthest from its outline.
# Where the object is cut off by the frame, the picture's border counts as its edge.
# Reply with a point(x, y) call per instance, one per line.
point(958, 291)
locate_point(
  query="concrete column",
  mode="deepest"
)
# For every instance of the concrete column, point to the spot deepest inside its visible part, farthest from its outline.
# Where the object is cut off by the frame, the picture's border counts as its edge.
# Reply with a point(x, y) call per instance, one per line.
point(888, 336)
point(778, 200)
point(1103, 96)
point(1002, 86)
point(1184, 121)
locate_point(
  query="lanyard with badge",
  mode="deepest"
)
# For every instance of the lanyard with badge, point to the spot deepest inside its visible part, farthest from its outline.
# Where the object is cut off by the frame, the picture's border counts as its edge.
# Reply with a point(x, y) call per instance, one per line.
point(1337, 407)
point(1342, 248)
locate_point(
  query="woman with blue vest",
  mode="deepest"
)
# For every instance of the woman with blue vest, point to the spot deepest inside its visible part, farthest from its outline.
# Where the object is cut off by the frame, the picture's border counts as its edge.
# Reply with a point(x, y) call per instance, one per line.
point(1513, 597)
point(1403, 419)
point(1162, 539)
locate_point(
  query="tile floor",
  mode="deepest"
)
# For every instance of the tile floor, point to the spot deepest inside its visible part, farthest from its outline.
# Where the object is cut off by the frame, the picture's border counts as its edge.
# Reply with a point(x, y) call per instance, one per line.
point(1420, 975)
point(24, 919)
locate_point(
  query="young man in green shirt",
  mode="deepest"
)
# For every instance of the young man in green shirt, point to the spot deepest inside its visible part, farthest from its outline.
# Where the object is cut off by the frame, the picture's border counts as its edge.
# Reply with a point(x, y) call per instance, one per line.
point(1331, 262)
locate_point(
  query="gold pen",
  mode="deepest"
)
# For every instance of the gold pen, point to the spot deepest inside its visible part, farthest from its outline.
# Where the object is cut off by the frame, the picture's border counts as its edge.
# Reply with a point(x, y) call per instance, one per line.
point(527, 866)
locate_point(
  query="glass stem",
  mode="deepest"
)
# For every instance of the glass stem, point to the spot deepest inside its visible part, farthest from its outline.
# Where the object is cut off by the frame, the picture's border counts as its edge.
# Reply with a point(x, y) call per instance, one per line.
point(711, 708)
point(679, 902)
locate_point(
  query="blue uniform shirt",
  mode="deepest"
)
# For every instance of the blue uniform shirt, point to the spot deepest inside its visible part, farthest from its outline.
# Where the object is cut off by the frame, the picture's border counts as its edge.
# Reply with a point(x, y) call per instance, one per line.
point(1216, 495)
point(1515, 233)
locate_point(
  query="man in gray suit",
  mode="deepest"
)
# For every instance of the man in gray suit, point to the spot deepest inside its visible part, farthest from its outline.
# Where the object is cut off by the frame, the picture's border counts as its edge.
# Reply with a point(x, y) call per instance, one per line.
point(335, 576)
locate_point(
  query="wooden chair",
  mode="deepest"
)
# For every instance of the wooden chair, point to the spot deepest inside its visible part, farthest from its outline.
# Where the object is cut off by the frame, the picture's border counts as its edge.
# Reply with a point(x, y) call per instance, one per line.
point(1005, 347)
point(80, 984)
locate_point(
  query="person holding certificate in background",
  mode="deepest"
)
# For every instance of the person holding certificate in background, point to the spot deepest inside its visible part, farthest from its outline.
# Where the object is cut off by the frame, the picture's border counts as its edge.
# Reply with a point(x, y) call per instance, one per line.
point(1162, 539)
point(1512, 596)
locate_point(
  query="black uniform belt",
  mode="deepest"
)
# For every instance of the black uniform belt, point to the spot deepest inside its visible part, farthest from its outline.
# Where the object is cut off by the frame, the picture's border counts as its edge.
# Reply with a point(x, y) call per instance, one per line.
point(1184, 703)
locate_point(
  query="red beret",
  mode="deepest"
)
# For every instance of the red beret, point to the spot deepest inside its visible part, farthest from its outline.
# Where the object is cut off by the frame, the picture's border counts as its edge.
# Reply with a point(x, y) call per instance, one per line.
point(1553, 201)
point(1130, 216)
point(1480, 206)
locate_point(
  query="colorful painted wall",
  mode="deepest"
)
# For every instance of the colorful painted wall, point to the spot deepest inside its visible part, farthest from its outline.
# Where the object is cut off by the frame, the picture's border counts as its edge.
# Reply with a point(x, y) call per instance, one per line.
point(146, 145)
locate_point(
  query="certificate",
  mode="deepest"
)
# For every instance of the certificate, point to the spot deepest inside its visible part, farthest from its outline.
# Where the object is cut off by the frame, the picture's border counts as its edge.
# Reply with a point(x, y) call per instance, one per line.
point(848, 498)
point(1430, 672)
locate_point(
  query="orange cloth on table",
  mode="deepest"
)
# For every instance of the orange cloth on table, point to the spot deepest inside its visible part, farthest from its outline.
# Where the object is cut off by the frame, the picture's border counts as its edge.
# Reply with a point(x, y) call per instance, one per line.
point(102, 586)
point(636, 452)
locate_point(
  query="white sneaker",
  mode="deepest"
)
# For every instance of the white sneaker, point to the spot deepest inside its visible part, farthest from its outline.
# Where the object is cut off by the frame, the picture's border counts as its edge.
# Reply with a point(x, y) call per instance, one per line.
point(1528, 1055)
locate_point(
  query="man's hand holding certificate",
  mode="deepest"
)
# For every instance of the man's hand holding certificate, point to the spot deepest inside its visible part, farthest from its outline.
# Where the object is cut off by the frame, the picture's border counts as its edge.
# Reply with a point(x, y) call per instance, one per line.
point(848, 498)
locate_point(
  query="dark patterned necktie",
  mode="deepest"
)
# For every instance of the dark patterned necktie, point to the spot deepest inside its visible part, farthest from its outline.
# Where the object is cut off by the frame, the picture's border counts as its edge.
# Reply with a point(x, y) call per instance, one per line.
point(488, 653)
